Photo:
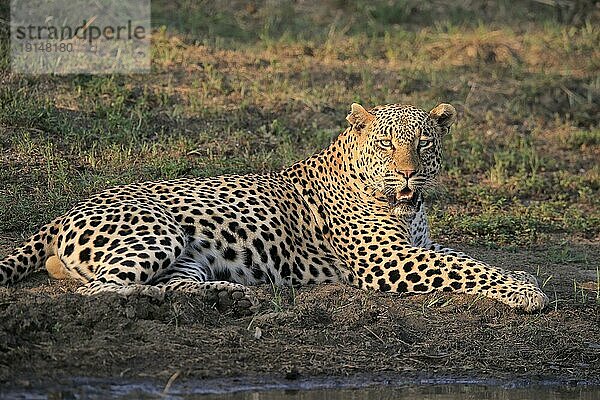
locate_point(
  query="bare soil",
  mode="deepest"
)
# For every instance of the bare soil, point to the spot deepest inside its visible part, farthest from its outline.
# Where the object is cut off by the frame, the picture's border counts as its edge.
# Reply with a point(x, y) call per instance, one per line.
point(49, 334)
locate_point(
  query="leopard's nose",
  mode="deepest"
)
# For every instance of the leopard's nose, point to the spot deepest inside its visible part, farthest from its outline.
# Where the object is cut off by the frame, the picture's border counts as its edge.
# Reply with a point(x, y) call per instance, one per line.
point(406, 173)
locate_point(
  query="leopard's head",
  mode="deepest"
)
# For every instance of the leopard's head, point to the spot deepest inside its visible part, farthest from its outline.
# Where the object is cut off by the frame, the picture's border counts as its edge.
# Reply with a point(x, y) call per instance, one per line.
point(398, 150)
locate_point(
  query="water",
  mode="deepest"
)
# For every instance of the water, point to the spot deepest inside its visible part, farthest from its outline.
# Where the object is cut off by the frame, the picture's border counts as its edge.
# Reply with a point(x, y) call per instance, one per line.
point(321, 389)
point(443, 392)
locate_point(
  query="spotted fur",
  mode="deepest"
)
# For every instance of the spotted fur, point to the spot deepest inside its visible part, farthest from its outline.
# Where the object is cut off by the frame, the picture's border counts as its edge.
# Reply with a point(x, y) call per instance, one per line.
point(352, 213)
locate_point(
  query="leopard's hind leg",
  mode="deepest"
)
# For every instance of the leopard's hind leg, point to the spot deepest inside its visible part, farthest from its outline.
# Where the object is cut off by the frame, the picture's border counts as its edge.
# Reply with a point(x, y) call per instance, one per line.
point(132, 289)
point(56, 269)
point(190, 276)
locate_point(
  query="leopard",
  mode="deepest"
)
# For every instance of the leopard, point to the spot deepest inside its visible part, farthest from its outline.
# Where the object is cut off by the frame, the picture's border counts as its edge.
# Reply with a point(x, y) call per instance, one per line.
point(354, 213)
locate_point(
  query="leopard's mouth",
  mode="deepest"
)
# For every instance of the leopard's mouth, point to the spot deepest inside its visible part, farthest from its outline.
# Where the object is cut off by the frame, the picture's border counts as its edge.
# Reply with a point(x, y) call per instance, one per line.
point(406, 196)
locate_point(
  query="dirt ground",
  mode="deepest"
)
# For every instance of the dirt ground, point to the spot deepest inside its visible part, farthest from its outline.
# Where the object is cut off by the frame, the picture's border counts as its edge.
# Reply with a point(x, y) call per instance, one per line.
point(49, 334)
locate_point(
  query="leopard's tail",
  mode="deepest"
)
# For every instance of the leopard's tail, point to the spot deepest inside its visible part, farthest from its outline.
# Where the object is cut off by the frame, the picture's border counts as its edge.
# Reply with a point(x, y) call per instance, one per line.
point(31, 255)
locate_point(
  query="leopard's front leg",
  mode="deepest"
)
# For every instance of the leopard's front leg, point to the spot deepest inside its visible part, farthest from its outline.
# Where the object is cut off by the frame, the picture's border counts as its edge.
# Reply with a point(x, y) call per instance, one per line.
point(518, 275)
point(415, 270)
point(419, 237)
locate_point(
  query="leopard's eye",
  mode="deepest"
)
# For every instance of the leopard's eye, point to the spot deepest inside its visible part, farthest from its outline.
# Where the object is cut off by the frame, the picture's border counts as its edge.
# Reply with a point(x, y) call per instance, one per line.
point(385, 144)
point(425, 144)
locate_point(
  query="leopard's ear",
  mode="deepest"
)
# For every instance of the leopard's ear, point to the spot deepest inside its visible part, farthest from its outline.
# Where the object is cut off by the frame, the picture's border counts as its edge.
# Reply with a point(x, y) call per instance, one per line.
point(444, 115)
point(359, 117)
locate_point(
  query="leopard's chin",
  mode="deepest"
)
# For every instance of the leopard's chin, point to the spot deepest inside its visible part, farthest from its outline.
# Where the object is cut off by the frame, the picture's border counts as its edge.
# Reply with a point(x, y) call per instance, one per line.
point(404, 211)
point(404, 203)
